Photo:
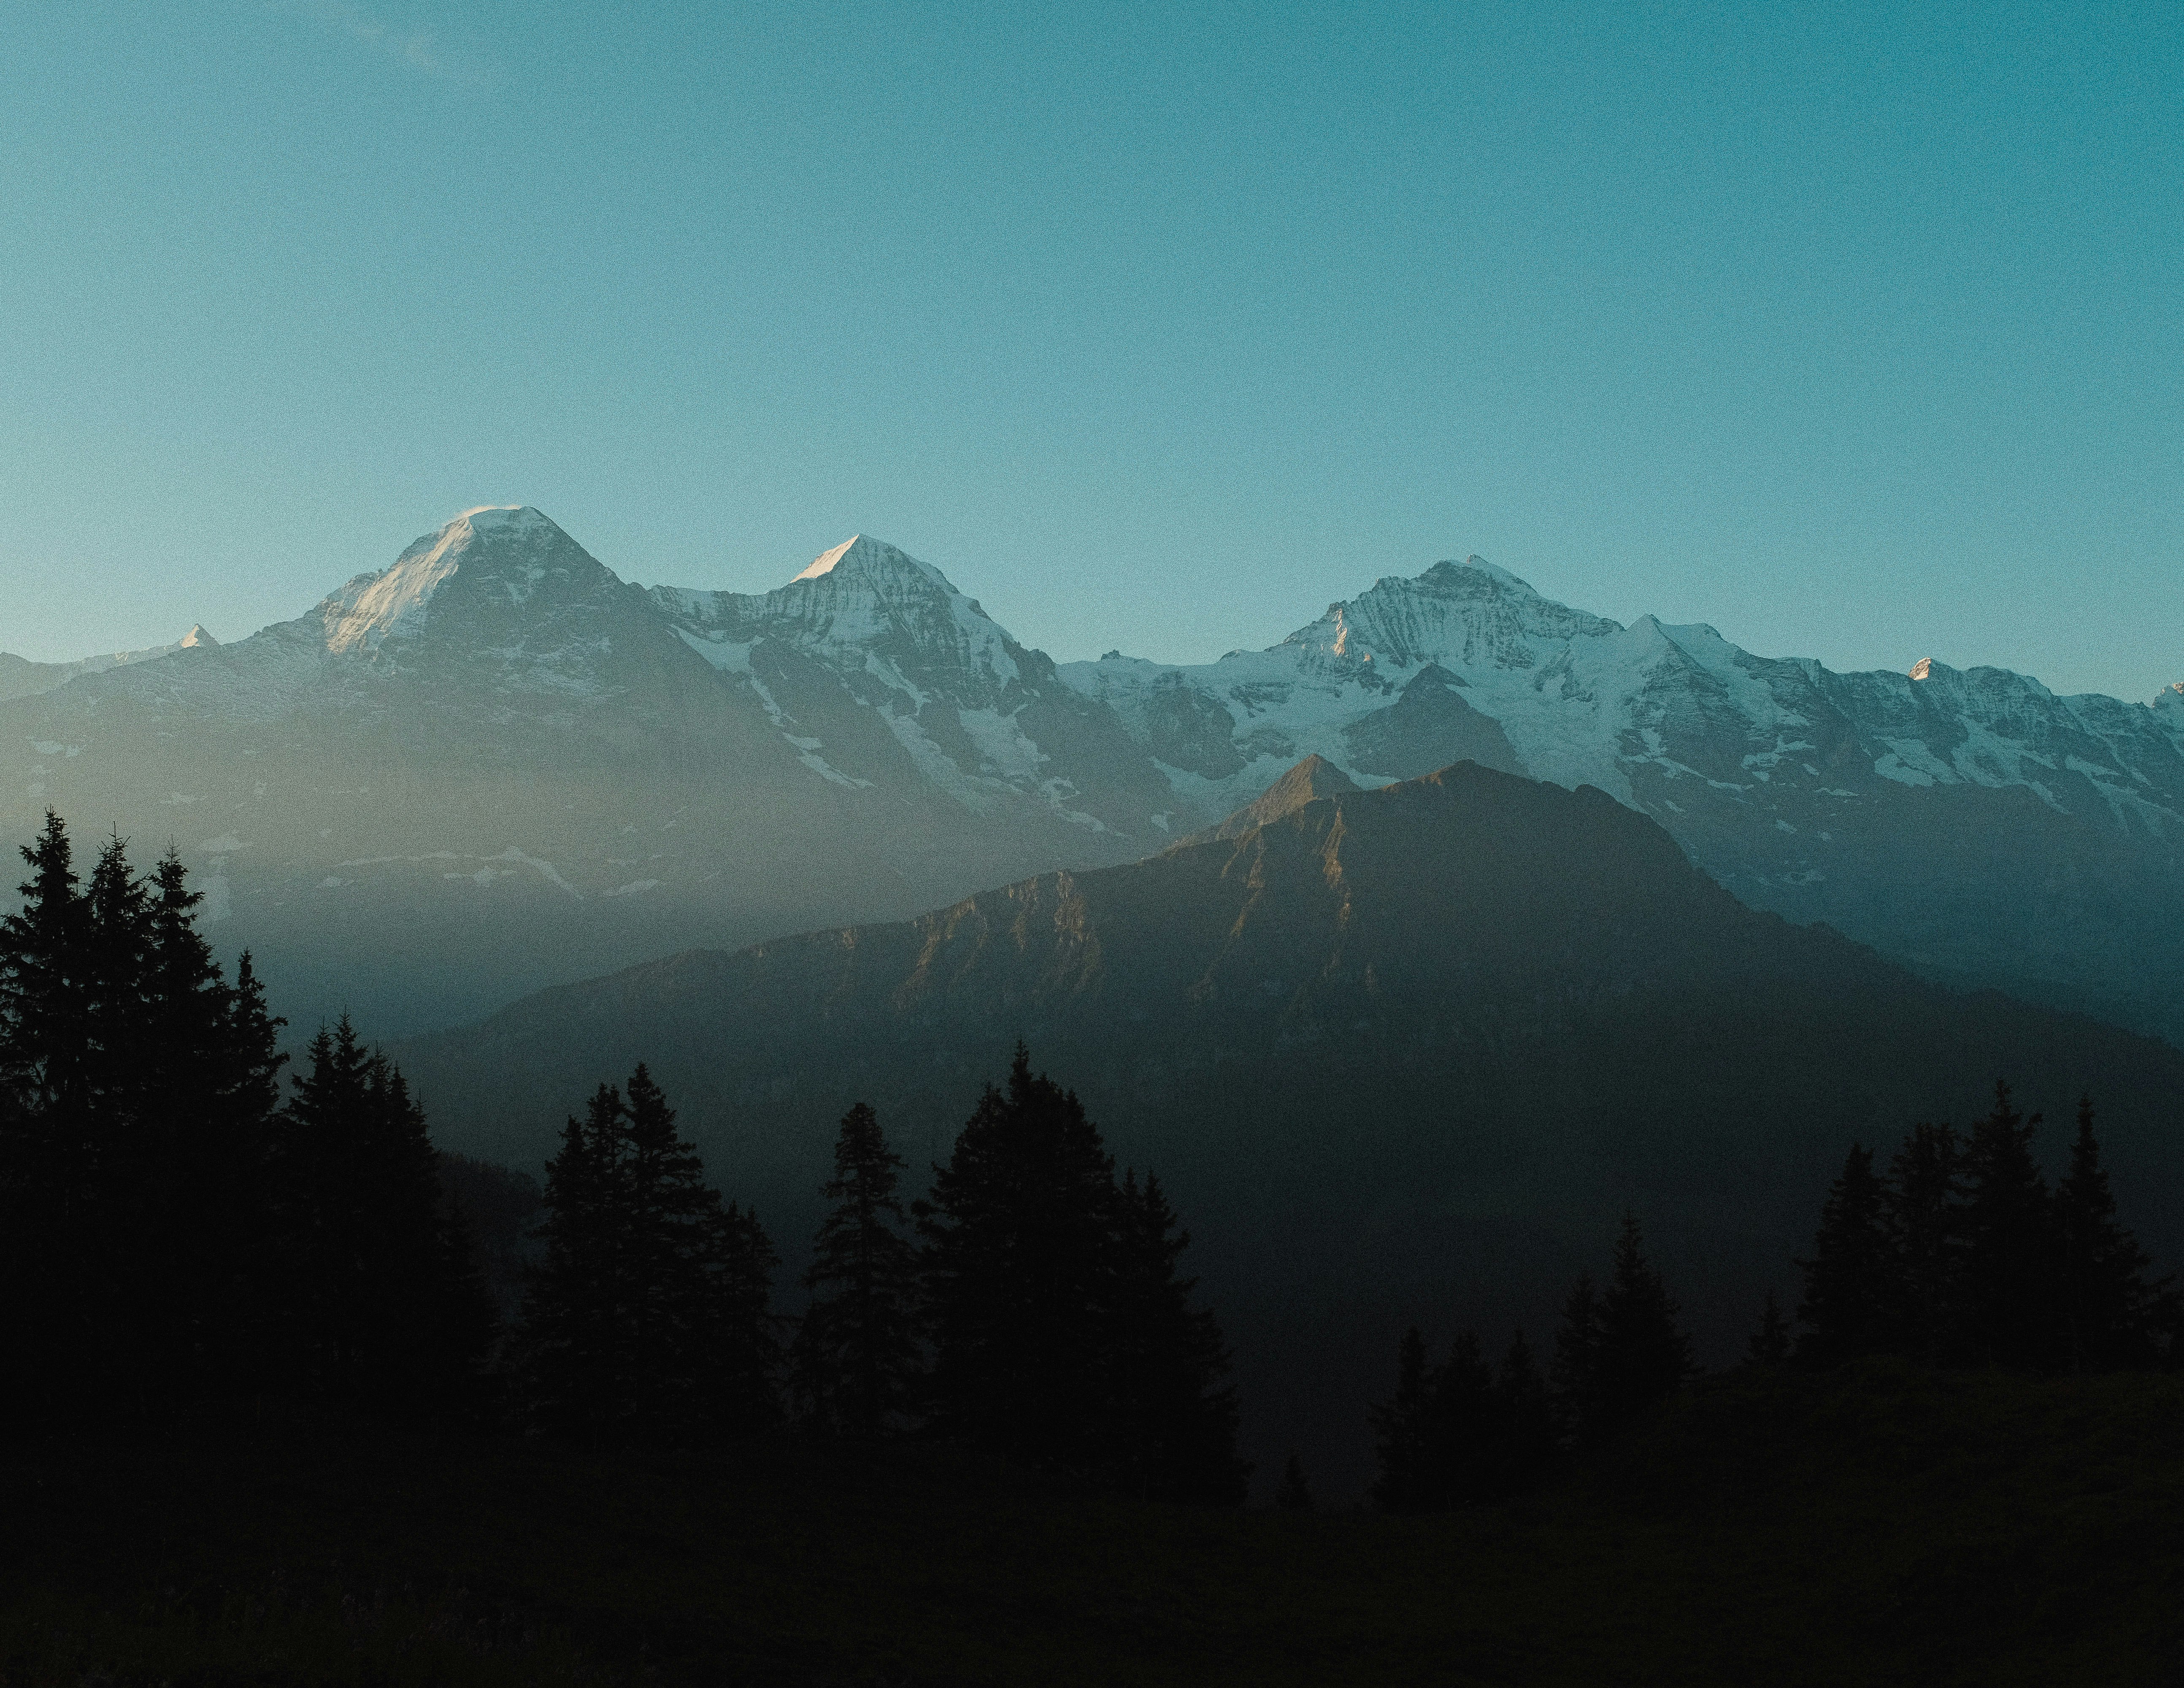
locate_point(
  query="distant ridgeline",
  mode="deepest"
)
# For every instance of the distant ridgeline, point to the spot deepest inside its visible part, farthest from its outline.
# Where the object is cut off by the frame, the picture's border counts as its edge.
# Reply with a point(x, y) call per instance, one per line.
point(495, 765)
point(1401, 1055)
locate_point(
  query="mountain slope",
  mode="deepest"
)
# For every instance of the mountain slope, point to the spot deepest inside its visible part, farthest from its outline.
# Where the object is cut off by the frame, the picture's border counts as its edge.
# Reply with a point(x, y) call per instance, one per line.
point(1971, 823)
point(496, 765)
point(1403, 1053)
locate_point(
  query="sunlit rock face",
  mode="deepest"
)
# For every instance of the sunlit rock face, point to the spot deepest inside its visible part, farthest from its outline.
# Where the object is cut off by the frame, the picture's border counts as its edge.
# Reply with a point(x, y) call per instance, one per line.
point(497, 765)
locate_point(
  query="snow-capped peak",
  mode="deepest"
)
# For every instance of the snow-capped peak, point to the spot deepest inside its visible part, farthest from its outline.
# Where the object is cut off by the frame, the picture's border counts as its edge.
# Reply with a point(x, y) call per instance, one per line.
point(198, 638)
point(825, 561)
point(510, 539)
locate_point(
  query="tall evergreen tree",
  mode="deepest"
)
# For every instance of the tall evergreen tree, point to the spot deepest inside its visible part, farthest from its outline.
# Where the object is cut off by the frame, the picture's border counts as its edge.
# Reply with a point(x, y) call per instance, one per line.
point(1526, 1417)
point(46, 1155)
point(1573, 1376)
point(648, 1319)
point(136, 1087)
point(855, 1359)
point(2009, 1250)
point(576, 1334)
point(1923, 1200)
point(1171, 1434)
point(1018, 1266)
point(385, 1310)
point(1851, 1284)
point(1622, 1352)
point(1769, 1348)
point(2111, 1313)
point(1406, 1443)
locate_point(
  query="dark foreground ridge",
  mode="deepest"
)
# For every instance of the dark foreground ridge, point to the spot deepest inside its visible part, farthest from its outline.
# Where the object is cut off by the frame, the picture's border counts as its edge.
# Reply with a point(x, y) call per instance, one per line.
point(1403, 1055)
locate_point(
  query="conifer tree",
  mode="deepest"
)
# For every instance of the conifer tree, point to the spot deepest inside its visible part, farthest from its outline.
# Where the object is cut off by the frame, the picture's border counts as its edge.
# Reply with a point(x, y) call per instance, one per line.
point(1620, 1352)
point(648, 1319)
point(385, 1311)
point(1923, 1203)
point(46, 1162)
point(1405, 1439)
point(1171, 1434)
point(2009, 1250)
point(1573, 1377)
point(1018, 1268)
point(1850, 1282)
point(136, 1086)
point(2110, 1312)
point(574, 1338)
point(1526, 1418)
point(1768, 1349)
point(856, 1358)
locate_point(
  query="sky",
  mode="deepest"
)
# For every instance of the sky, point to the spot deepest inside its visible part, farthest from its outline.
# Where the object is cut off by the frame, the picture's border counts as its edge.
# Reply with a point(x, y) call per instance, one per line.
point(1854, 332)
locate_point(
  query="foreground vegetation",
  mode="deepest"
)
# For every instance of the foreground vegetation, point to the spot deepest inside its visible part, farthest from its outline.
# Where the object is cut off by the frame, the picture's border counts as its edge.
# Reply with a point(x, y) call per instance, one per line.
point(1878, 1523)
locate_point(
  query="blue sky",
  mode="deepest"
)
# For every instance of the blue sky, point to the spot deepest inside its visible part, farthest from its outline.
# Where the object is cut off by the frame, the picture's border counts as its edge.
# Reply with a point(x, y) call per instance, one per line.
point(1854, 331)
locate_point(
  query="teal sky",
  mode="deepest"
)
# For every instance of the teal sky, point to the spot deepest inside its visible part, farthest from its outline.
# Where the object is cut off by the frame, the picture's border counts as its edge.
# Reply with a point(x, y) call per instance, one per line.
point(1858, 332)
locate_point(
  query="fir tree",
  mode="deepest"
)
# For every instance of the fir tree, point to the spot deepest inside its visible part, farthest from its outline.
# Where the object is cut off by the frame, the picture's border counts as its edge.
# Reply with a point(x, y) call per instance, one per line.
point(1923, 1204)
point(1018, 1267)
point(855, 1359)
point(1621, 1353)
point(1768, 1350)
point(2110, 1312)
point(1575, 1377)
point(574, 1334)
point(384, 1310)
point(1525, 1415)
point(1405, 1442)
point(1172, 1433)
point(2009, 1250)
point(648, 1319)
point(1850, 1282)
point(1471, 1455)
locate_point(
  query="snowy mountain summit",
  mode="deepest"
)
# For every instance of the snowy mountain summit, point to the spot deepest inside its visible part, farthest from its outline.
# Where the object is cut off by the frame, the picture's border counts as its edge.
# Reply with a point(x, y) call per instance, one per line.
point(526, 768)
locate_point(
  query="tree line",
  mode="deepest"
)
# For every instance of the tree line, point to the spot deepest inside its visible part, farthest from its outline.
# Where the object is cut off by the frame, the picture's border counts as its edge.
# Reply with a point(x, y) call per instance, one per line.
point(1959, 1255)
point(1032, 1304)
point(178, 1228)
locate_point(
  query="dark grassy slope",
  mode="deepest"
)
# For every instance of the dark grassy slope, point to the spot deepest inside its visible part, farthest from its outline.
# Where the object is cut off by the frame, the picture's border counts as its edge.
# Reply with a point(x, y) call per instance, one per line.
point(1882, 1526)
point(1400, 1054)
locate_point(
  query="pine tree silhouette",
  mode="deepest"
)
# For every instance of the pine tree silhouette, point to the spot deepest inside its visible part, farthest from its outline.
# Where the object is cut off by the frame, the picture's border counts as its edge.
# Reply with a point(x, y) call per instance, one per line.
point(1768, 1349)
point(648, 1319)
point(1526, 1417)
point(1851, 1282)
point(2111, 1314)
point(385, 1311)
point(1923, 1200)
point(1575, 1375)
point(2010, 1247)
point(1017, 1269)
point(1405, 1439)
point(1622, 1352)
point(575, 1337)
point(136, 1089)
point(856, 1359)
point(1172, 1433)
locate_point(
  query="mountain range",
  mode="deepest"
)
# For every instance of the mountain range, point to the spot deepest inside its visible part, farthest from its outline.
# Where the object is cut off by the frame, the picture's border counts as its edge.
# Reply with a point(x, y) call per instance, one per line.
point(495, 765)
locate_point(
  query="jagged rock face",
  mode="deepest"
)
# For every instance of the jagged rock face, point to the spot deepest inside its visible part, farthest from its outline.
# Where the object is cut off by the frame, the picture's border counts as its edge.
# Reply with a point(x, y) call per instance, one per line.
point(496, 764)
point(1972, 822)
